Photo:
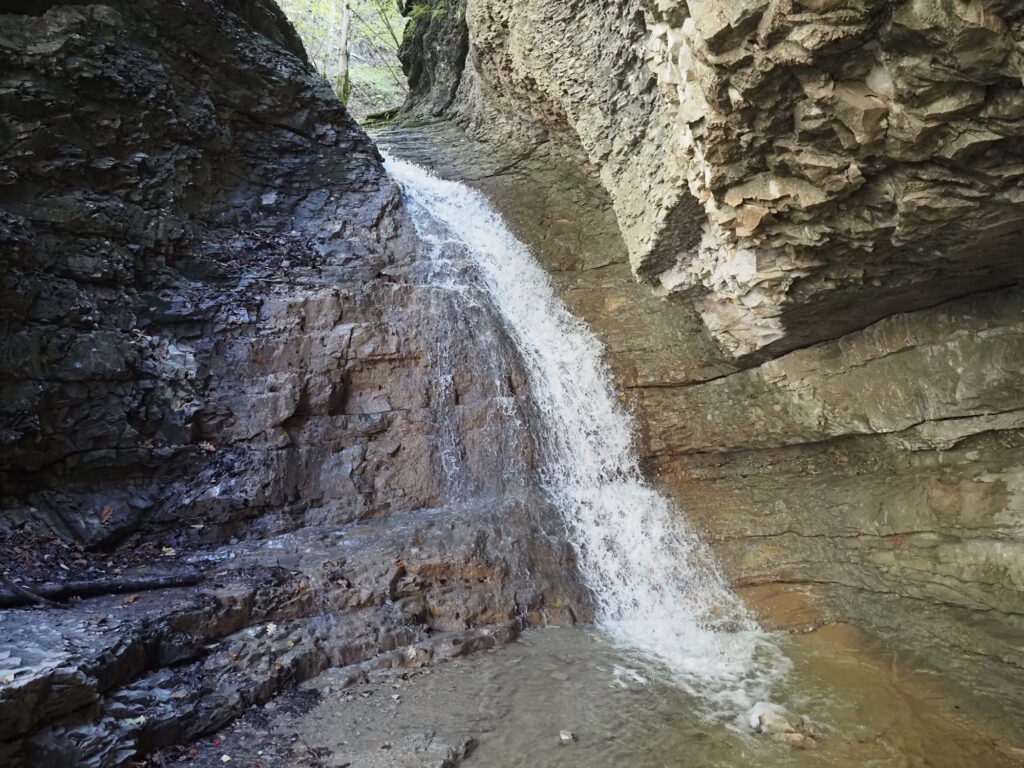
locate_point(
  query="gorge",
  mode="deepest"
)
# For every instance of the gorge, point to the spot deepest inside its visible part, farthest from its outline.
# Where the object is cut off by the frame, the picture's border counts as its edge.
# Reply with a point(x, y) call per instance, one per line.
point(776, 355)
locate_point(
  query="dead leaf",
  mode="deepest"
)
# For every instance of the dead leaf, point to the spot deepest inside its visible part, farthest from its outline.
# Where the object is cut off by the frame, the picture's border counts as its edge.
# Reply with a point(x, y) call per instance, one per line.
point(181, 693)
point(129, 599)
point(106, 513)
point(207, 446)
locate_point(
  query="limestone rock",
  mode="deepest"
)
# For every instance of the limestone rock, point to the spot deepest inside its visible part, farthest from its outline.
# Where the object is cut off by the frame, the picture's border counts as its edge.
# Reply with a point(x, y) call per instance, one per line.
point(872, 479)
point(854, 147)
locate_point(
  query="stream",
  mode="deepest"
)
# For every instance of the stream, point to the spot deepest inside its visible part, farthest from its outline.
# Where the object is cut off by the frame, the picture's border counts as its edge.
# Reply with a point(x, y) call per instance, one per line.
point(510, 706)
point(657, 588)
point(676, 669)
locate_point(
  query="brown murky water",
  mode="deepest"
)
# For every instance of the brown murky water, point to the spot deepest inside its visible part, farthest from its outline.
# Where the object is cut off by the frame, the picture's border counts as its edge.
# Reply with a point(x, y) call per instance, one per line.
point(511, 705)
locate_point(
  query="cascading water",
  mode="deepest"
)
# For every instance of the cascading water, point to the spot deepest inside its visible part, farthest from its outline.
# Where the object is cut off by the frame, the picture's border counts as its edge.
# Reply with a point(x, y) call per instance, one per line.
point(657, 588)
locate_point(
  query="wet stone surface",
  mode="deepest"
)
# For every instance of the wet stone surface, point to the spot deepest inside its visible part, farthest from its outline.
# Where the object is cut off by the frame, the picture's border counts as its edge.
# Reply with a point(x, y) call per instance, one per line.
point(226, 358)
point(510, 707)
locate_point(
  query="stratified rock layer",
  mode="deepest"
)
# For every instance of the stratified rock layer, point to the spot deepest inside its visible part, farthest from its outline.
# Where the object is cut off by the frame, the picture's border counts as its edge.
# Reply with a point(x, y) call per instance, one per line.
point(874, 478)
point(221, 352)
point(796, 169)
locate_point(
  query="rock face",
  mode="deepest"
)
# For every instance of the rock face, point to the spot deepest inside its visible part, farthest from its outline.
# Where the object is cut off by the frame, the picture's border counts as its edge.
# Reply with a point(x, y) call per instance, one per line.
point(870, 478)
point(842, 150)
point(796, 169)
point(221, 350)
point(433, 53)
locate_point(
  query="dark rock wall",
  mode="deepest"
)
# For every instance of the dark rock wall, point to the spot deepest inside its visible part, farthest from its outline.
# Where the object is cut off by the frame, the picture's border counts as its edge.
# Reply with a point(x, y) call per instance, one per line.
point(433, 53)
point(221, 352)
point(188, 219)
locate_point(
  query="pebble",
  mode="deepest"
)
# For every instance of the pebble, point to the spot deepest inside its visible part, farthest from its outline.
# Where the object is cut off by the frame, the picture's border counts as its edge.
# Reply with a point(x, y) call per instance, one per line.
point(567, 737)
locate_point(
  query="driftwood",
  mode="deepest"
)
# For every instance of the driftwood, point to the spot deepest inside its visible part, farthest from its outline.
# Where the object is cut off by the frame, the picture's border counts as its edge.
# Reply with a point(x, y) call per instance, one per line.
point(15, 596)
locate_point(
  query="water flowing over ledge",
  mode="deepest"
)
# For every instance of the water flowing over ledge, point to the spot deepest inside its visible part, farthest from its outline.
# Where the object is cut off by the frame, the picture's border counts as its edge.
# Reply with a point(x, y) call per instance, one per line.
point(657, 588)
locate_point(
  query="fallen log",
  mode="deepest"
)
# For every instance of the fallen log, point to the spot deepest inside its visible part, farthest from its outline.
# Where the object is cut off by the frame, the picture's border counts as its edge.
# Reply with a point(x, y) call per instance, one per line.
point(48, 593)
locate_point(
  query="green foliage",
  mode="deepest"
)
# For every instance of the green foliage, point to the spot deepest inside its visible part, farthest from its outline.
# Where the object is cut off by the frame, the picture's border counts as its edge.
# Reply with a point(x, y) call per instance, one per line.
point(423, 10)
point(418, 11)
point(374, 81)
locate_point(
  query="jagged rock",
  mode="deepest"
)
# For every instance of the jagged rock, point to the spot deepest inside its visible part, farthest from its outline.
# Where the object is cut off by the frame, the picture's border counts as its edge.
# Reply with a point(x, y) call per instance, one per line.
point(853, 148)
point(222, 349)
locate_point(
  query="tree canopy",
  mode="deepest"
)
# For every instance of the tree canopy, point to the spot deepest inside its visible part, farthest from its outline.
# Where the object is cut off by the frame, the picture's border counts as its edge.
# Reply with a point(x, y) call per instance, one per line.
point(354, 45)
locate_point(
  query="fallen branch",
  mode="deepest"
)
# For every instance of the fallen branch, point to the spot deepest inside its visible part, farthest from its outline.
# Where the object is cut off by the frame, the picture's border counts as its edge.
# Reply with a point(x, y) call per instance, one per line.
point(28, 597)
point(45, 594)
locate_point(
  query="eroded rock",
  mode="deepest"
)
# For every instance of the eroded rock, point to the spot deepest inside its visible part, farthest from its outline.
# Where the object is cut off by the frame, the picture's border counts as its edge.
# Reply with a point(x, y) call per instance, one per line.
point(224, 353)
point(795, 170)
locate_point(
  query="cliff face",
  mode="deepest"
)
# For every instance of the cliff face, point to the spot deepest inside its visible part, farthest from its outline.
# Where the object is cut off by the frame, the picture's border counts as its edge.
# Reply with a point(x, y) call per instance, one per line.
point(142, 229)
point(433, 53)
point(823, 202)
point(221, 353)
point(777, 163)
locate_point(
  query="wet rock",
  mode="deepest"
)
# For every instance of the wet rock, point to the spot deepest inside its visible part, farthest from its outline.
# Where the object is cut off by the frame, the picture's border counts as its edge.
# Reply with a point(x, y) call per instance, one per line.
point(776, 721)
point(225, 354)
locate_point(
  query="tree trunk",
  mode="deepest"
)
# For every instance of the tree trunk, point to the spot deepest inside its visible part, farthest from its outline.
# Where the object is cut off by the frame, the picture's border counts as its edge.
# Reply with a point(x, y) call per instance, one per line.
point(329, 53)
point(346, 23)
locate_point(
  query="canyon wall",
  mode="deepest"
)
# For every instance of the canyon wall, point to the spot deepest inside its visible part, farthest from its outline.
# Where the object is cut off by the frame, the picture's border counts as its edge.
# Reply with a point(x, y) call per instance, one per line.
point(821, 202)
point(775, 162)
point(222, 358)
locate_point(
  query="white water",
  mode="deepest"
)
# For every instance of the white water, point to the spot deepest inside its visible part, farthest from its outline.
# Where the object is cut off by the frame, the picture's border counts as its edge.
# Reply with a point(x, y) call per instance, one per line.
point(656, 585)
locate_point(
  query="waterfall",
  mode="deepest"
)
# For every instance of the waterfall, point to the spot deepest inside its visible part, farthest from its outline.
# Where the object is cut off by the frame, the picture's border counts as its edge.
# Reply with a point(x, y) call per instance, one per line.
point(657, 588)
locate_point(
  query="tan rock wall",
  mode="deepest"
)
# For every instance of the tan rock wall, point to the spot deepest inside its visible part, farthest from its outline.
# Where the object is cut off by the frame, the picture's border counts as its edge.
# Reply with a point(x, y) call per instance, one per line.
point(875, 478)
point(825, 195)
point(796, 169)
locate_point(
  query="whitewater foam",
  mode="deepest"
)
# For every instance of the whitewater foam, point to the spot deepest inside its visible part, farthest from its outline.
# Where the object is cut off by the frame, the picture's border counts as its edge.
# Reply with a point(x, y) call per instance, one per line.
point(657, 587)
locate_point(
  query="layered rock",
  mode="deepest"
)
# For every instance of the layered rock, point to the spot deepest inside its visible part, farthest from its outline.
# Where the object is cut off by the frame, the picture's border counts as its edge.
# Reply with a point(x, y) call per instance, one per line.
point(221, 352)
point(861, 153)
point(796, 169)
point(870, 479)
